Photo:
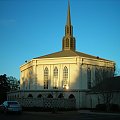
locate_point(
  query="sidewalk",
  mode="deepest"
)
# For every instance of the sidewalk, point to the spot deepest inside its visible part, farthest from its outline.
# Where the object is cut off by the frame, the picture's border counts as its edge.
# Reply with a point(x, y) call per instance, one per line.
point(99, 113)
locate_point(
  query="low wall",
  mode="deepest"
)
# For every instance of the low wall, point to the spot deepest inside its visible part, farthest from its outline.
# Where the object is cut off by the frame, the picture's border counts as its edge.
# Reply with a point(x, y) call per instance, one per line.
point(48, 102)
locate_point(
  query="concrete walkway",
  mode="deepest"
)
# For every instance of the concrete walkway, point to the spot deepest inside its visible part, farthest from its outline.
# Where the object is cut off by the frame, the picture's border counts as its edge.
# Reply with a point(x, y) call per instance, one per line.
point(100, 113)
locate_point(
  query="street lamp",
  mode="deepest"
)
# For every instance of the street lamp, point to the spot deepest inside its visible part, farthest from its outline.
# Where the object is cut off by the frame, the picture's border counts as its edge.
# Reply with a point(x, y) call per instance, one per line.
point(65, 87)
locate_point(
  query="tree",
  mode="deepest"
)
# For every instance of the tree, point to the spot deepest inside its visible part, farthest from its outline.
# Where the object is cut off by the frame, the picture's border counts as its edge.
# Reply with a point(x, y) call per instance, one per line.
point(4, 87)
point(7, 84)
point(105, 90)
point(13, 83)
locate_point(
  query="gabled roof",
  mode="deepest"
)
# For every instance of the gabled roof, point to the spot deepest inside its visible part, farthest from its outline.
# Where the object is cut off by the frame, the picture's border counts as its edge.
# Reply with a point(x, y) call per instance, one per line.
point(109, 84)
point(68, 53)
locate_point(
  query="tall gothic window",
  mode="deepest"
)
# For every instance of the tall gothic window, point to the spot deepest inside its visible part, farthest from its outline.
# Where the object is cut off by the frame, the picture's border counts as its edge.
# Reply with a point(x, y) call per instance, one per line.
point(104, 73)
point(26, 83)
point(65, 77)
point(101, 73)
point(46, 72)
point(23, 84)
point(89, 78)
point(30, 79)
point(67, 42)
point(55, 75)
point(97, 75)
point(72, 43)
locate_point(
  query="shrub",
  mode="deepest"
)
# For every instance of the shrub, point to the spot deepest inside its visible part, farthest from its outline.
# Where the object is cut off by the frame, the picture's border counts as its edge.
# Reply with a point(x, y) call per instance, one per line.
point(101, 107)
point(114, 107)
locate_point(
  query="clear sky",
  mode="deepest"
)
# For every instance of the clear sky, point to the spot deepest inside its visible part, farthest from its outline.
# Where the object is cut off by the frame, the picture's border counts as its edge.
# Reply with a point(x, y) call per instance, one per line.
point(32, 28)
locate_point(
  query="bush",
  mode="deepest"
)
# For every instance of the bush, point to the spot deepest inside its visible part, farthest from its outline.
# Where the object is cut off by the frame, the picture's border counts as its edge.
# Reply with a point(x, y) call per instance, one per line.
point(101, 107)
point(114, 107)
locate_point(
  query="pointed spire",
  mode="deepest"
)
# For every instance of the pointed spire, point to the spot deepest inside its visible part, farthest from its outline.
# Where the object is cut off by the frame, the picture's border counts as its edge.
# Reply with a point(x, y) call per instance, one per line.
point(68, 42)
point(68, 15)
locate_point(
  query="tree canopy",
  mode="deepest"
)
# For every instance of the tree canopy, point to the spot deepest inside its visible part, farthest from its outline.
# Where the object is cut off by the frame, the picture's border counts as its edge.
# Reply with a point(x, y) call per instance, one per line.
point(7, 84)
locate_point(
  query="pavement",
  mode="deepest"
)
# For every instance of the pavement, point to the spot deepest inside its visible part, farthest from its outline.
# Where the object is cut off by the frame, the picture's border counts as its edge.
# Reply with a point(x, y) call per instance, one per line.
point(79, 111)
point(97, 113)
point(61, 115)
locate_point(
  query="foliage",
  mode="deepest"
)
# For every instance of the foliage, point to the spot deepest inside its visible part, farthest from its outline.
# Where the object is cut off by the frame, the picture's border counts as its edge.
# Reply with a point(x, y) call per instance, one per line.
point(4, 87)
point(104, 91)
point(13, 83)
point(112, 107)
point(7, 84)
point(101, 107)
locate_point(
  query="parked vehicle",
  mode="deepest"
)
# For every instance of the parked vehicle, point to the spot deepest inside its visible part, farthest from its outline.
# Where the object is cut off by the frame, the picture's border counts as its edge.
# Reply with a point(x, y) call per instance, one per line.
point(10, 106)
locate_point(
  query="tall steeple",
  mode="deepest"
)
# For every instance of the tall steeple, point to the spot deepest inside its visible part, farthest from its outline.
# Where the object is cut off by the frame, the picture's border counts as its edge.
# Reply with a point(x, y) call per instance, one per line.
point(68, 42)
point(68, 15)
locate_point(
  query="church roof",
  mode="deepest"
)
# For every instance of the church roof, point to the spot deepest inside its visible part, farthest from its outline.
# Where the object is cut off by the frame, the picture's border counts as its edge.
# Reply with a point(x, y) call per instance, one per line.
point(68, 53)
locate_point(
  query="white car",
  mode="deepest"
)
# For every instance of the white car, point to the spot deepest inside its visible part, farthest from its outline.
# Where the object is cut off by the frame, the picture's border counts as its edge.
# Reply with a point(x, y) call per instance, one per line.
point(10, 106)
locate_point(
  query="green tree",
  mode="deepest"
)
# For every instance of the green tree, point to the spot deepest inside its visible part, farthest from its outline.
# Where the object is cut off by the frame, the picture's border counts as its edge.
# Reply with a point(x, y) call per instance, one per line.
point(4, 87)
point(13, 83)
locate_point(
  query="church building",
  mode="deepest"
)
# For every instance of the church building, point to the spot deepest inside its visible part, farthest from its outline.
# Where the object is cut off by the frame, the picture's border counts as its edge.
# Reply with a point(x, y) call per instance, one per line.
point(67, 73)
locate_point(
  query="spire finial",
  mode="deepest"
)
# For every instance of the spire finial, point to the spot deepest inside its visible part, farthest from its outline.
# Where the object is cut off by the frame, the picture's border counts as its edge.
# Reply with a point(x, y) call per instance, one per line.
point(68, 15)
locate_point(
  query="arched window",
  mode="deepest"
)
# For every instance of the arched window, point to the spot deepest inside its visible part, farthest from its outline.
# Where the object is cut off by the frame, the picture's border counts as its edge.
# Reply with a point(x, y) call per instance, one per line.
point(46, 72)
point(101, 73)
point(55, 75)
point(71, 96)
point(71, 43)
point(65, 77)
point(30, 79)
point(97, 75)
point(30, 96)
point(26, 83)
point(67, 42)
point(49, 96)
point(60, 95)
point(23, 83)
point(89, 78)
point(39, 96)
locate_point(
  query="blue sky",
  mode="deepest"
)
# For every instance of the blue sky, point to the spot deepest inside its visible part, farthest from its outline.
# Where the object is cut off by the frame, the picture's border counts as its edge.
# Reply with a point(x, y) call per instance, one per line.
point(32, 28)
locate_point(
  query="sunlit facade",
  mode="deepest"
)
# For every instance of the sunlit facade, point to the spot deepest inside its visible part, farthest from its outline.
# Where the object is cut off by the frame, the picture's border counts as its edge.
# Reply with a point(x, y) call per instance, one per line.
point(68, 70)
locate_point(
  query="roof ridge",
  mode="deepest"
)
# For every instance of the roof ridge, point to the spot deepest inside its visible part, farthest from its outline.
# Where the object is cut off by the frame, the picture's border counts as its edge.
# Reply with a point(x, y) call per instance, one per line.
point(47, 54)
point(69, 53)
